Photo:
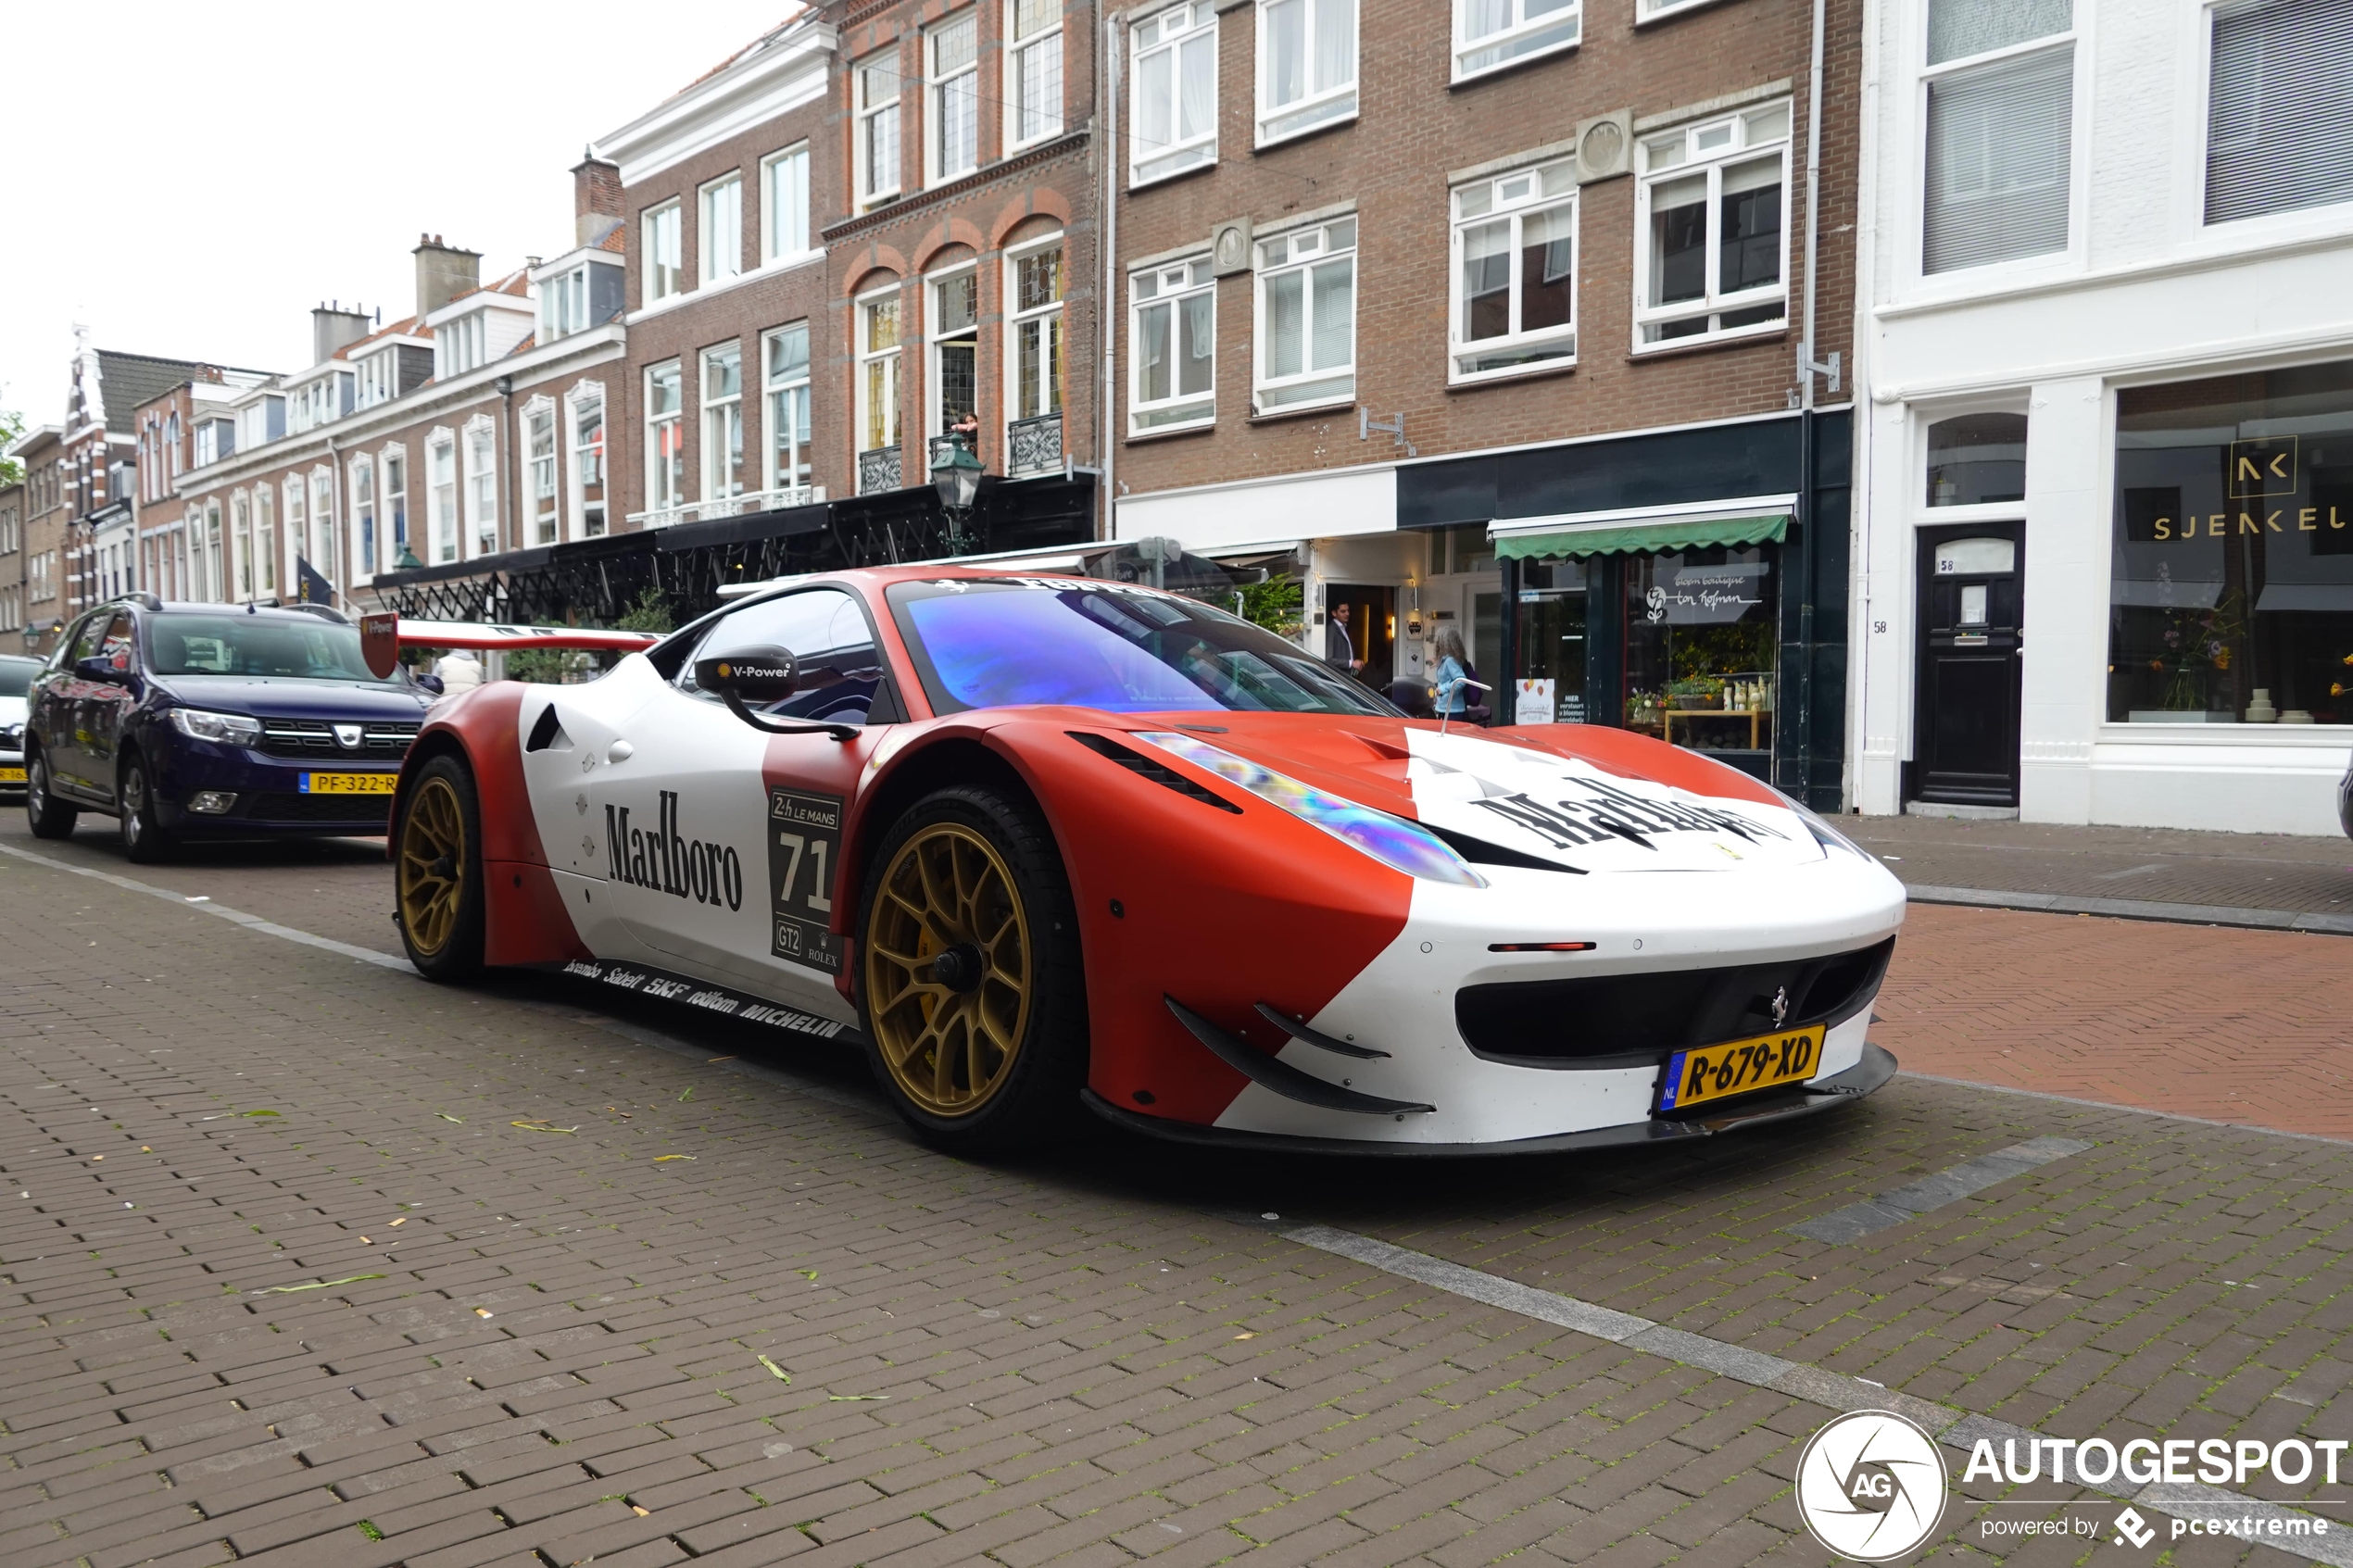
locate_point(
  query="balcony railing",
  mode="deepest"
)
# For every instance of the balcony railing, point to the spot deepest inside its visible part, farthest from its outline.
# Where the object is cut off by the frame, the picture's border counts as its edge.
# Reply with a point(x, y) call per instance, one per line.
point(1035, 445)
point(878, 469)
point(751, 501)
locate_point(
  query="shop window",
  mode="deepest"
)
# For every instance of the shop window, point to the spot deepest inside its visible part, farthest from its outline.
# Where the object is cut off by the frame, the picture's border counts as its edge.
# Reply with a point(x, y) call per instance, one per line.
point(1515, 273)
point(1711, 230)
point(2279, 134)
point(1490, 34)
point(1977, 458)
point(1549, 685)
point(1700, 643)
point(2231, 587)
point(1173, 108)
point(2001, 129)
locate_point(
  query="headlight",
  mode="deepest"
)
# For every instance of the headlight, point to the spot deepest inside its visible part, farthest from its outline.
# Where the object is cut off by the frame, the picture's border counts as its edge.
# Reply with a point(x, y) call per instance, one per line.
point(12, 736)
point(1394, 841)
point(1824, 834)
point(229, 729)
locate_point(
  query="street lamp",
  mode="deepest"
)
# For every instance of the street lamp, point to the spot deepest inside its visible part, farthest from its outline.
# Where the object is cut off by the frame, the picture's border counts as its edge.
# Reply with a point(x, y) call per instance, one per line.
point(956, 476)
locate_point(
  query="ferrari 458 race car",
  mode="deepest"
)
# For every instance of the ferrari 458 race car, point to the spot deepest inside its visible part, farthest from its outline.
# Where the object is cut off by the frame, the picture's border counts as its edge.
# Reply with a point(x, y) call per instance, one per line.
point(1036, 841)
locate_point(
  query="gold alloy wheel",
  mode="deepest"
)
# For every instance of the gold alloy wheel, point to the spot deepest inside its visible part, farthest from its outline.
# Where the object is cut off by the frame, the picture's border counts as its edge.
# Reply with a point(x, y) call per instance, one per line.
point(948, 970)
point(432, 865)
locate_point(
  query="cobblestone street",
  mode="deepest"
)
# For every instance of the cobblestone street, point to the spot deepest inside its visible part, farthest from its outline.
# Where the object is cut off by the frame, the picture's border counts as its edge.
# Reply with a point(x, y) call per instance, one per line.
point(311, 1262)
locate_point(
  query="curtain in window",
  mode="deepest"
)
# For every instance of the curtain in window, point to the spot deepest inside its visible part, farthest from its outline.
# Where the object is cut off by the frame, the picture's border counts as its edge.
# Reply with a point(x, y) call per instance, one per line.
point(1152, 353)
point(2280, 131)
point(1155, 104)
point(1198, 81)
point(1335, 314)
point(1286, 324)
point(1286, 46)
point(1483, 16)
point(1998, 145)
point(1200, 344)
point(1335, 43)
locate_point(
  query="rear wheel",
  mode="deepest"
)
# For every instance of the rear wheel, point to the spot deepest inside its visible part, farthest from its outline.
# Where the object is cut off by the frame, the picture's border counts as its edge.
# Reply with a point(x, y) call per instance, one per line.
point(971, 995)
point(437, 872)
point(144, 841)
point(50, 817)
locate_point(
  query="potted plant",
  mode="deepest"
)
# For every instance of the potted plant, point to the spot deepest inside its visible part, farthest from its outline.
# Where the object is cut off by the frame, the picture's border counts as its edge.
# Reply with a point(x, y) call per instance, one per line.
point(1694, 691)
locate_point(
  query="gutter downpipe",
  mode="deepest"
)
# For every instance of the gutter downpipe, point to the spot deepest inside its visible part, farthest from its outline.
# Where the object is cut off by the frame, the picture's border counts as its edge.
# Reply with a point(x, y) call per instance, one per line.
point(1809, 550)
point(1107, 308)
point(1863, 489)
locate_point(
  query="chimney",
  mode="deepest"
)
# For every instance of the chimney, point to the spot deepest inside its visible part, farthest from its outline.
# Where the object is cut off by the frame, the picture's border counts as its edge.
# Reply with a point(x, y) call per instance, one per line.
point(332, 327)
point(444, 272)
point(595, 199)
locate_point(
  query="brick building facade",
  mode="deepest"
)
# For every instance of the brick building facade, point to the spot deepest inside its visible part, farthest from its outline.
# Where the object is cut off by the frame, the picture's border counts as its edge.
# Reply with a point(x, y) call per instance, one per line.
point(42, 451)
point(1413, 294)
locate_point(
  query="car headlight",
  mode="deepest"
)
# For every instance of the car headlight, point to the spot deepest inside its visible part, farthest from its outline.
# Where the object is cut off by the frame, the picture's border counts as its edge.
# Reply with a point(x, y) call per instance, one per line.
point(229, 729)
point(1824, 834)
point(1406, 846)
point(12, 736)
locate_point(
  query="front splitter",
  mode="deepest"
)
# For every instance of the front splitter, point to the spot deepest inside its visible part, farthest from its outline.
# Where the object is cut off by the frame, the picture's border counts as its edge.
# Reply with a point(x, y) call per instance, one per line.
point(1865, 1077)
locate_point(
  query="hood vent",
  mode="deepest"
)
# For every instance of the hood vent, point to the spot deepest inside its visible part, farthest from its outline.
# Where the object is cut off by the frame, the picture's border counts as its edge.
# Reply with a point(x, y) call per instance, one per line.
point(1159, 773)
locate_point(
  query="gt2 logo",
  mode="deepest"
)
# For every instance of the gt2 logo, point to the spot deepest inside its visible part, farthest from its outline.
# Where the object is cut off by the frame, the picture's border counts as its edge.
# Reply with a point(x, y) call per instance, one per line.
point(665, 861)
point(1611, 812)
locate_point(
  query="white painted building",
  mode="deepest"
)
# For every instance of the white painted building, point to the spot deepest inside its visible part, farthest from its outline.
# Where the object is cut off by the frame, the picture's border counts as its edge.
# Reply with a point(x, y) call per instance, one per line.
point(2104, 570)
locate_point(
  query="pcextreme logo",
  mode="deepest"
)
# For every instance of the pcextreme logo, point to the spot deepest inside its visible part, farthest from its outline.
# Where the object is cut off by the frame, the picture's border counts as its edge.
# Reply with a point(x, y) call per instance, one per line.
point(1871, 1486)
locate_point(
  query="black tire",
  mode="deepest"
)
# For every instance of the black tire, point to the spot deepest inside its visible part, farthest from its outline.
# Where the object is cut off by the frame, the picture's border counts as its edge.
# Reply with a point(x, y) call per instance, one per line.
point(437, 891)
point(49, 817)
point(1031, 1100)
point(145, 841)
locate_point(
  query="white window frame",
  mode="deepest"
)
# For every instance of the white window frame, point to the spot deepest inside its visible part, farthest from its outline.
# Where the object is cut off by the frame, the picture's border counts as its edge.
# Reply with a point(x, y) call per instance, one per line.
point(661, 235)
point(1325, 237)
point(542, 490)
point(367, 535)
point(1169, 32)
point(478, 482)
point(392, 505)
point(1170, 286)
point(936, 337)
point(665, 491)
point(878, 117)
point(1521, 39)
point(2077, 39)
point(446, 527)
point(265, 539)
point(323, 520)
point(563, 304)
point(1312, 110)
point(295, 515)
point(1700, 157)
point(585, 459)
point(379, 378)
point(868, 356)
point(1019, 49)
point(777, 413)
point(940, 87)
point(722, 419)
point(1019, 321)
point(1513, 197)
point(784, 195)
point(719, 239)
point(241, 539)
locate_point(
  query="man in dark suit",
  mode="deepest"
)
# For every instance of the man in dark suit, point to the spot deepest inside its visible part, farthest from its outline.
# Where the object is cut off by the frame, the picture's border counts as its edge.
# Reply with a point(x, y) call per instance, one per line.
point(1339, 648)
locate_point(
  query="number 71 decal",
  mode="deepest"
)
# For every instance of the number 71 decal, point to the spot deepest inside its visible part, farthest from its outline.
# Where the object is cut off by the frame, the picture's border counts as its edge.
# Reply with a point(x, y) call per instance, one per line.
point(804, 850)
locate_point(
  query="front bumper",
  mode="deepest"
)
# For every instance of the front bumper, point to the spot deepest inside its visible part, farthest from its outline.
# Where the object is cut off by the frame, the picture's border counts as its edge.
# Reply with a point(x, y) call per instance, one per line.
point(1866, 1077)
point(272, 799)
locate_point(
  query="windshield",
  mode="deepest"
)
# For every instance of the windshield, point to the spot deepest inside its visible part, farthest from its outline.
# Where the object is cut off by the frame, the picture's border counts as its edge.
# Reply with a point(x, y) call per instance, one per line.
point(1107, 645)
point(250, 646)
point(16, 675)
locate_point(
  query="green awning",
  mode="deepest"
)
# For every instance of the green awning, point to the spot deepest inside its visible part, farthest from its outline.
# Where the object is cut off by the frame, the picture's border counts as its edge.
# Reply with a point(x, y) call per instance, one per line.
point(1665, 533)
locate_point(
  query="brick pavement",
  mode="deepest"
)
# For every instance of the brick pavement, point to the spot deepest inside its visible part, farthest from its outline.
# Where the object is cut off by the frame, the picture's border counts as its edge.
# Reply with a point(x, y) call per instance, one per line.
point(2158, 865)
point(1082, 1361)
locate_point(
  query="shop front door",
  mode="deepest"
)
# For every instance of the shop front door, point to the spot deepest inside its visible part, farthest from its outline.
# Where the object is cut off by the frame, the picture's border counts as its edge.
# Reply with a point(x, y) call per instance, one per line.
point(1971, 612)
point(1371, 629)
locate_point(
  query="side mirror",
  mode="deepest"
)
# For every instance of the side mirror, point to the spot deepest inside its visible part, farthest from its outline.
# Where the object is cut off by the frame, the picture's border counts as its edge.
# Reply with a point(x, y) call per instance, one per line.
point(430, 682)
point(753, 676)
point(103, 667)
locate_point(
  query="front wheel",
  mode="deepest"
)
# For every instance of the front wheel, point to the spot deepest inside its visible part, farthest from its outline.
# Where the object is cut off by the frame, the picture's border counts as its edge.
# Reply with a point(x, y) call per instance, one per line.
point(49, 817)
point(972, 998)
point(437, 873)
point(144, 841)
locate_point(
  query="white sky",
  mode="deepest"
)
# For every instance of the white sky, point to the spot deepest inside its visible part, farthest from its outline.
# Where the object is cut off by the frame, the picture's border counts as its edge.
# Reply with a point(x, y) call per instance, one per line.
point(189, 180)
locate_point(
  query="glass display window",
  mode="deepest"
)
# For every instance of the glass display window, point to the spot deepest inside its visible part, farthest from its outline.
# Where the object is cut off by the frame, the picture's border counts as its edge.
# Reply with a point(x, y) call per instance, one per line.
point(2230, 583)
point(1700, 646)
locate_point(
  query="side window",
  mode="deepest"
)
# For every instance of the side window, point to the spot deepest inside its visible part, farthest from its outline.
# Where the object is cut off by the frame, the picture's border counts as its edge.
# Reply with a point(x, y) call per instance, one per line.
point(828, 633)
point(86, 641)
point(115, 643)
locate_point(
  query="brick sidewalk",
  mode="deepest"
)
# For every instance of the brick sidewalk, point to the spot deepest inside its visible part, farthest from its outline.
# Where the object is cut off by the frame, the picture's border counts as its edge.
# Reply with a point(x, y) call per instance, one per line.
point(1083, 1362)
point(2154, 865)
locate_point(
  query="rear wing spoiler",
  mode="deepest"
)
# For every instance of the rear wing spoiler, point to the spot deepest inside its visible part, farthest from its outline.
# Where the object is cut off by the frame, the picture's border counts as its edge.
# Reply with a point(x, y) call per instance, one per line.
point(382, 636)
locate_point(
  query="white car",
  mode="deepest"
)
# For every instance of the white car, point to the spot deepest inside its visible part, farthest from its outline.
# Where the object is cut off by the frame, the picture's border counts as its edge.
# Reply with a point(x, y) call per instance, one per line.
point(16, 675)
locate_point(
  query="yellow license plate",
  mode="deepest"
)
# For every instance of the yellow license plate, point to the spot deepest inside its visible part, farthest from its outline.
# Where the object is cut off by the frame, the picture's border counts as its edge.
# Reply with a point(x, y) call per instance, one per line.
point(349, 784)
point(11, 775)
point(1737, 1067)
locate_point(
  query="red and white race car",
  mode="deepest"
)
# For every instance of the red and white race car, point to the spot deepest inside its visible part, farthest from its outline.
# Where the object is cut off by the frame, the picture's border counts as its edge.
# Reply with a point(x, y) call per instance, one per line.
point(1034, 841)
